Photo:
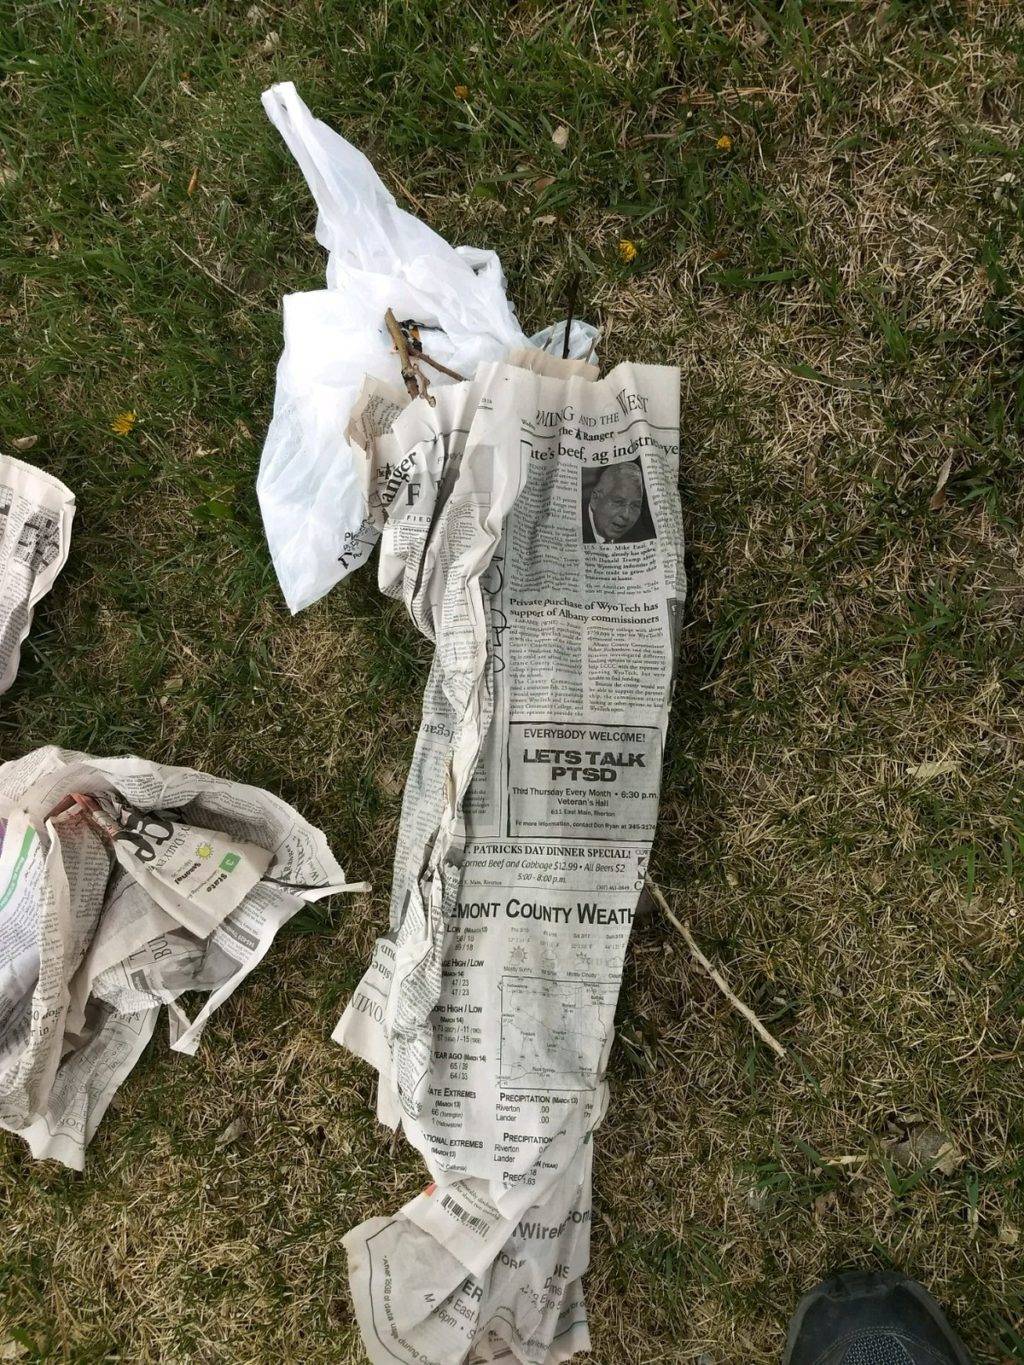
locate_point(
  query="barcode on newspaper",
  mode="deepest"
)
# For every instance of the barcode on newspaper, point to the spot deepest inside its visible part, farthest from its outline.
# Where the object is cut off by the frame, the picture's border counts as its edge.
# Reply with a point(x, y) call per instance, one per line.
point(464, 1215)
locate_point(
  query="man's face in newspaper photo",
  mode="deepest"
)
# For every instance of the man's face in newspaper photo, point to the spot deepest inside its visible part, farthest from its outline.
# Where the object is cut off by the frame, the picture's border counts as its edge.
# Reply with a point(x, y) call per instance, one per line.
point(617, 501)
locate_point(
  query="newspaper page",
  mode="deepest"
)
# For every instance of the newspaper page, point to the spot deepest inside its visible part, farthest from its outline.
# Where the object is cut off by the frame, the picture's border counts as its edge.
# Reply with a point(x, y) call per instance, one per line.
point(551, 577)
point(36, 511)
point(124, 884)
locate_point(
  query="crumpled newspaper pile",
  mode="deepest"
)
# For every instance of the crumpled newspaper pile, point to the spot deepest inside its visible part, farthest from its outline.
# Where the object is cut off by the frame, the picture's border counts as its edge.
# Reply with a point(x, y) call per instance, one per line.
point(124, 884)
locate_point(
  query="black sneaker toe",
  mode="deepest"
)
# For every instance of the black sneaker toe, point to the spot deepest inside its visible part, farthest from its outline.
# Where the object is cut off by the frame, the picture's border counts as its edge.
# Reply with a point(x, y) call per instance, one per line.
point(871, 1318)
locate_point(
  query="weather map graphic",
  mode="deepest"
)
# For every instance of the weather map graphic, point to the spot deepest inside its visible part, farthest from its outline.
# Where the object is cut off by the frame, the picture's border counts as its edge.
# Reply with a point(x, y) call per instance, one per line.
point(554, 1032)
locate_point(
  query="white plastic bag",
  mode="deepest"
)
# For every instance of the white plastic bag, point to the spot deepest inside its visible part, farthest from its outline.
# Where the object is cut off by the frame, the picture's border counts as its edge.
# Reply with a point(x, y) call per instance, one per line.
point(311, 496)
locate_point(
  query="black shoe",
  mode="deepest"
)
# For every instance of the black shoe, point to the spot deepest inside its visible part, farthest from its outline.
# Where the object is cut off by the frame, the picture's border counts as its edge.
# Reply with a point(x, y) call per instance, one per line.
point(861, 1317)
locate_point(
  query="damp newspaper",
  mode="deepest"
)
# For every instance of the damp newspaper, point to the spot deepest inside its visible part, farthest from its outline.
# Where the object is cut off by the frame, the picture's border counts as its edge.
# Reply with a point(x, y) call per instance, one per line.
point(36, 511)
point(124, 884)
point(531, 523)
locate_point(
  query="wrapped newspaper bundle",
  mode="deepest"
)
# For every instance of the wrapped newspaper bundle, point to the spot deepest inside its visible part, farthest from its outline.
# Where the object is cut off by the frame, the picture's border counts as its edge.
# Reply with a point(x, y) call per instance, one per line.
point(313, 504)
point(530, 520)
point(36, 511)
point(124, 884)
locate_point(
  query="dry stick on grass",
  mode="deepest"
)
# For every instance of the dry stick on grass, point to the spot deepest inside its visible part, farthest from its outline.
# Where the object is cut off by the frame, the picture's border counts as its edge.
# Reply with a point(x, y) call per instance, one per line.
point(715, 976)
point(410, 196)
point(223, 284)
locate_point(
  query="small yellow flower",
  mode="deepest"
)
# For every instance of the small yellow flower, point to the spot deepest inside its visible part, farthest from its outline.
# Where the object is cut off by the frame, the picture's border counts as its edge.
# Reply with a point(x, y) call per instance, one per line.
point(627, 251)
point(724, 143)
point(461, 92)
point(123, 423)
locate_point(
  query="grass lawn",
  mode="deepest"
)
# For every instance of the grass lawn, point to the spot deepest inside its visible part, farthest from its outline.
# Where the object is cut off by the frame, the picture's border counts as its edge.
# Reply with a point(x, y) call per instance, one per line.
point(825, 200)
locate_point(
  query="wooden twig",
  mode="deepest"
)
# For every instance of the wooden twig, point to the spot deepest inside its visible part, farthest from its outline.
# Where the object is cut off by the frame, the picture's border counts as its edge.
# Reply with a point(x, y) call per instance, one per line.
point(429, 360)
point(409, 376)
point(699, 98)
point(715, 976)
point(216, 279)
point(409, 195)
point(411, 355)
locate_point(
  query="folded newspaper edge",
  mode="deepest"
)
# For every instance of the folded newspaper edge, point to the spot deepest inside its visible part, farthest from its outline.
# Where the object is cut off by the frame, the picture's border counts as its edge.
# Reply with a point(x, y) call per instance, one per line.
point(36, 512)
point(530, 521)
point(123, 884)
point(317, 522)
